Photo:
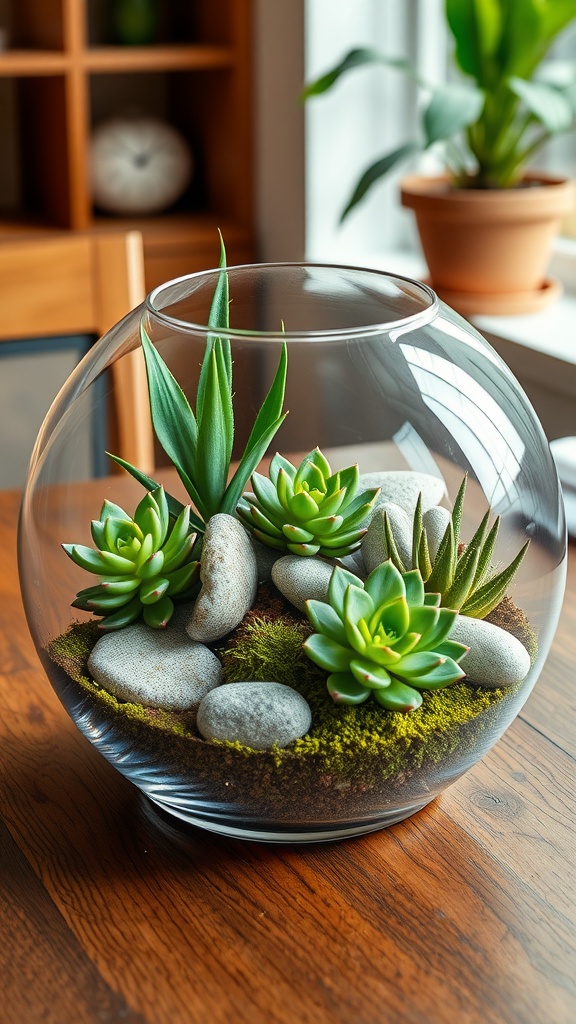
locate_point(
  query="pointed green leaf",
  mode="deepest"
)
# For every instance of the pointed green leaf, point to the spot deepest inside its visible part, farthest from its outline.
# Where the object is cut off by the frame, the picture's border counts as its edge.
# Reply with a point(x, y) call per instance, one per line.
point(277, 463)
point(459, 589)
point(158, 615)
point(385, 584)
point(548, 105)
point(340, 580)
point(398, 697)
point(393, 553)
point(152, 590)
point(284, 489)
point(326, 621)
point(124, 617)
point(451, 108)
point(344, 689)
point(376, 171)
point(444, 674)
point(488, 596)
point(173, 420)
point(414, 588)
point(303, 507)
point(368, 674)
point(451, 649)
point(214, 443)
point(327, 653)
point(296, 535)
point(181, 579)
point(444, 564)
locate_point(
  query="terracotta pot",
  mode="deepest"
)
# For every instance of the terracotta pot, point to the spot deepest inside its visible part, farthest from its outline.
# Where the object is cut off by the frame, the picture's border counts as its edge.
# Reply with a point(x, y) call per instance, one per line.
point(487, 250)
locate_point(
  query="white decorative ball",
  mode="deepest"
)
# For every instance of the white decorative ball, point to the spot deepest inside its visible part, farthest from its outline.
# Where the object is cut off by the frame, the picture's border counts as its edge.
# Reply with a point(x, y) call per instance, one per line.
point(139, 165)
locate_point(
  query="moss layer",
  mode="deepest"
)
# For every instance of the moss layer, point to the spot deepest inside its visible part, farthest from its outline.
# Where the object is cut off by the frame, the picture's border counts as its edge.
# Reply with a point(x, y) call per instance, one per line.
point(356, 745)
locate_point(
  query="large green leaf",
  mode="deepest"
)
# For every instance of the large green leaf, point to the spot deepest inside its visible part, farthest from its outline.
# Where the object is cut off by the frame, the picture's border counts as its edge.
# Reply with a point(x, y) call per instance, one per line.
point(266, 424)
point(377, 171)
point(354, 59)
point(173, 420)
point(523, 45)
point(555, 16)
point(547, 104)
point(451, 108)
point(218, 318)
point(212, 452)
point(476, 26)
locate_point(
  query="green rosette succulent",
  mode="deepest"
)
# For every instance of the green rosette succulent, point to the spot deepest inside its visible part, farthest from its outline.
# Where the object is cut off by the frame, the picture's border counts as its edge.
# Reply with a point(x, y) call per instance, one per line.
point(143, 563)
point(307, 510)
point(385, 637)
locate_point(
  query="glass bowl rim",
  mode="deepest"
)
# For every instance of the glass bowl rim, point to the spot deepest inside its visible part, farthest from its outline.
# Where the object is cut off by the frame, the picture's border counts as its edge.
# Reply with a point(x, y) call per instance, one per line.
point(414, 320)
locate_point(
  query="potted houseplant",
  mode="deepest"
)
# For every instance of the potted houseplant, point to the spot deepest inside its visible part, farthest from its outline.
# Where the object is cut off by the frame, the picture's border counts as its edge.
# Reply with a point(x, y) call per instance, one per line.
point(486, 225)
point(307, 646)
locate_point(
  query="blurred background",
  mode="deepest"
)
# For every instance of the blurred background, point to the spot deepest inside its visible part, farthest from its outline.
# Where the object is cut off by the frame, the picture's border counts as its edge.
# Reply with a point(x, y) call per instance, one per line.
point(174, 118)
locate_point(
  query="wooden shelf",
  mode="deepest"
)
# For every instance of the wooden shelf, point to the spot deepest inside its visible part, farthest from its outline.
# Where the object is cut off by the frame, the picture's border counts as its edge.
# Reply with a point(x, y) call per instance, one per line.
point(62, 78)
point(106, 59)
point(17, 63)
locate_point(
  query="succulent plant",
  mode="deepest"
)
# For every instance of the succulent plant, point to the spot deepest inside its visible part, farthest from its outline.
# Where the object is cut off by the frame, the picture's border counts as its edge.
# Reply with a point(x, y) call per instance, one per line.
point(142, 562)
point(385, 637)
point(461, 573)
point(199, 443)
point(307, 510)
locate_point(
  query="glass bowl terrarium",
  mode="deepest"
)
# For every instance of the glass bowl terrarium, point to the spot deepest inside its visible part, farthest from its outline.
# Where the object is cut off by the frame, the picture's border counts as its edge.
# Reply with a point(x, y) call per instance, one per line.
point(338, 586)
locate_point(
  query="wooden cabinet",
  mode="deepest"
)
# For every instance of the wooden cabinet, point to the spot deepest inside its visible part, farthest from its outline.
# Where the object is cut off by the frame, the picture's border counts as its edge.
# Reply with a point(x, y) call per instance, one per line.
point(62, 73)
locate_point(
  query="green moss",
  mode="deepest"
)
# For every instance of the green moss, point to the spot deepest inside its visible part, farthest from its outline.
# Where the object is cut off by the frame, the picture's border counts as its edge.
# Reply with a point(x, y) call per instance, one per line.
point(359, 745)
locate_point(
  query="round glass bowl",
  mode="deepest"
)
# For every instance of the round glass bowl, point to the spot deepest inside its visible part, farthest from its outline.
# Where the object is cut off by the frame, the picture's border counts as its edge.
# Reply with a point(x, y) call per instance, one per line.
point(381, 375)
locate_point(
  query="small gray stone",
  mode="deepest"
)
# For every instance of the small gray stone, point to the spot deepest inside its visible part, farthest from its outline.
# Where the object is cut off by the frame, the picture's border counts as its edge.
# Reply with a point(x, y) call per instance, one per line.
point(496, 658)
point(403, 487)
point(435, 520)
point(229, 576)
point(299, 579)
point(374, 547)
point(257, 715)
point(159, 668)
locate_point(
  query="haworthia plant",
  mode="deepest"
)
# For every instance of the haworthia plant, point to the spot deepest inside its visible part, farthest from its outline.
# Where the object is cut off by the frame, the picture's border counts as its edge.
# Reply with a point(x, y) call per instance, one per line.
point(462, 574)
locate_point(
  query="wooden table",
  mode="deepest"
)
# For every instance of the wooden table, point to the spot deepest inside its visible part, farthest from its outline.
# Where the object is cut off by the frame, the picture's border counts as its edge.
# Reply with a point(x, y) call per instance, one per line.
point(465, 913)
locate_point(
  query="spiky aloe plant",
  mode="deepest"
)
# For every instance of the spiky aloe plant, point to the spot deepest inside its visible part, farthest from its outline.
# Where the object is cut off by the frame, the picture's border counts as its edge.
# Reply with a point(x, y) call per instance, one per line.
point(143, 563)
point(307, 510)
point(384, 637)
point(462, 574)
point(199, 444)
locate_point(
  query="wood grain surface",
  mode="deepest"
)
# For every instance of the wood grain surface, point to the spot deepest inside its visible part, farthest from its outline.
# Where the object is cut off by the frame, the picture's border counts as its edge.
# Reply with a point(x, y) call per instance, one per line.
point(464, 913)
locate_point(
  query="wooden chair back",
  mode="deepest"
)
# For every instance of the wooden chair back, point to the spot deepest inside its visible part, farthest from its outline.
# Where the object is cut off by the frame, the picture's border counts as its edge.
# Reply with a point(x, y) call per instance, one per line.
point(73, 283)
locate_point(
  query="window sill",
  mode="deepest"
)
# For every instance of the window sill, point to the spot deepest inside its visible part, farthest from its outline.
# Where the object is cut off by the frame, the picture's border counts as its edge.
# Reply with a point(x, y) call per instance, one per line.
point(549, 332)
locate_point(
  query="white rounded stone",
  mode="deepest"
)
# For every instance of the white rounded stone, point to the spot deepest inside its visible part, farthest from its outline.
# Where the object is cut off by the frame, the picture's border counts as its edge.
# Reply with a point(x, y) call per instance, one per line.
point(435, 520)
point(160, 668)
point(403, 487)
point(257, 715)
point(496, 658)
point(300, 579)
point(229, 576)
point(374, 547)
